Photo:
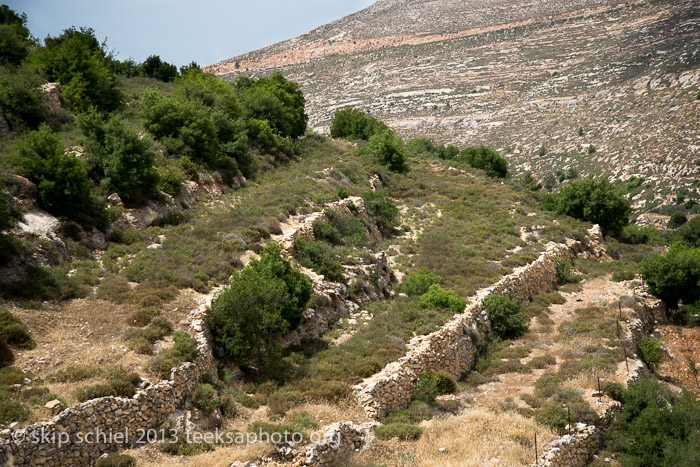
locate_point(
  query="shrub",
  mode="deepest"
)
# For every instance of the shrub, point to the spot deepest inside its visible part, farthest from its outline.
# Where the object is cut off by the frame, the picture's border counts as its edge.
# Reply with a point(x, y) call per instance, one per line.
point(382, 211)
point(673, 276)
point(12, 410)
point(486, 159)
point(353, 123)
point(593, 201)
point(79, 62)
point(654, 429)
point(437, 297)
point(278, 101)
point(14, 36)
point(184, 349)
point(419, 146)
point(265, 300)
point(613, 390)
point(14, 331)
point(205, 398)
point(64, 186)
point(389, 149)
point(402, 431)
point(417, 283)
point(116, 460)
point(565, 273)
point(338, 228)
point(122, 384)
point(677, 219)
point(154, 67)
point(20, 97)
point(73, 374)
point(431, 385)
point(124, 161)
point(6, 355)
point(507, 319)
point(319, 257)
point(689, 233)
point(415, 413)
point(553, 416)
point(448, 152)
point(650, 351)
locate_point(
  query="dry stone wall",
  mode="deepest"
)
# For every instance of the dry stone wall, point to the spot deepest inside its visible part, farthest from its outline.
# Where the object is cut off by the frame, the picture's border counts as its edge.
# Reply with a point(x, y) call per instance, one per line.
point(80, 434)
point(572, 450)
point(454, 348)
point(339, 440)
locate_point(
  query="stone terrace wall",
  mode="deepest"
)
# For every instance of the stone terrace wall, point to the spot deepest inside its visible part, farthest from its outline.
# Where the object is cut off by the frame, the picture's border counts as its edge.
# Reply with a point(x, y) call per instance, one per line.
point(339, 441)
point(57, 442)
point(572, 450)
point(454, 348)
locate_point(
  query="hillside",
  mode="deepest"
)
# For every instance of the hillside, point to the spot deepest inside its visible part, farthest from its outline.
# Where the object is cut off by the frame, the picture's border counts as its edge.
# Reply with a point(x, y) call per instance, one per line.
point(191, 275)
point(621, 78)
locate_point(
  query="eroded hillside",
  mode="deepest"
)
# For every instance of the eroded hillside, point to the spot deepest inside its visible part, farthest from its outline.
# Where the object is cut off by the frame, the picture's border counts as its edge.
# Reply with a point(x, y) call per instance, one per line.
point(602, 87)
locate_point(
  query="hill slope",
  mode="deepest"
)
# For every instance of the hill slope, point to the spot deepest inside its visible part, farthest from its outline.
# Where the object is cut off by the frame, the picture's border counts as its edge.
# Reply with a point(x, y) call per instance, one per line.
point(622, 77)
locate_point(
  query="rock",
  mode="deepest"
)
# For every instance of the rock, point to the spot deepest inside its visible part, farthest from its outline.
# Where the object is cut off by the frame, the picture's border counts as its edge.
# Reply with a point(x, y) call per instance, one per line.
point(115, 200)
point(55, 406)
point(51, 95)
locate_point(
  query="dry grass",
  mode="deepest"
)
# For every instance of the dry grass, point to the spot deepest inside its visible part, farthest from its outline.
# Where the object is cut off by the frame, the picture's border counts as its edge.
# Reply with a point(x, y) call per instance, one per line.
point(481, 437)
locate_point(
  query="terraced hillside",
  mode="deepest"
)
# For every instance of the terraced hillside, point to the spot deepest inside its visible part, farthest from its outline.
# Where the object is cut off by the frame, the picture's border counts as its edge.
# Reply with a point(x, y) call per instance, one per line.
point(601, 87)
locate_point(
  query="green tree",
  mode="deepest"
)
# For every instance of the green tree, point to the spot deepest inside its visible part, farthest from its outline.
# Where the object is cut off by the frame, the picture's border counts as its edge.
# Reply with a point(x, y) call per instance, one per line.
point(64, 186)
point(389, 149)
point(265, 300)
point(507, 319)
point(486, 159)
point(80, 63)
point(278, 101)
point(125, 161)
point(14, 36)
point(677, 219)
point(654, 429)
point(674, 276)
point(595, 201)
point(20, 97)
point(352, 123)
point(154, 67)
point(382, 211)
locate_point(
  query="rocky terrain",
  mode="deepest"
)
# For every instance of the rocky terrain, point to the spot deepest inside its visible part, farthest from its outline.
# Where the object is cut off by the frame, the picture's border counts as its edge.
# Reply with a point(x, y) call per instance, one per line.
point(601, 87)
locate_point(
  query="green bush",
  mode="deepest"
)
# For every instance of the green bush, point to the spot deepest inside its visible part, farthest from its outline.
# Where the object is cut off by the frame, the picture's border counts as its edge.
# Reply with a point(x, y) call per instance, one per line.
point(79, 62)
point(184, 349)
point(613, 390)
point(565, 273)
point(486, 159)
point(415, 413)
point(154, 67)
point(20, 97)
point(390, 151)
point(676, 220)
point(650, 351)
point(14, 331)
point(64, 186)
point(14, 36)
point(339, 229)
point(11, 410)
point(506, 316)
point(116, 460)
point(420, 146)
point(673, 276)
point(431, 385)
point(437, 297)
point(553, 416)
point(205, 398)
point(353, 123)
point(448, 153)
point(6, 355)
point(124, 161)
point(278, 101)
point(655, 429)
point(402, 431)
point(382, 211)
point(418, 283)
point(320, 257)
point(593, 201)
point(689, 233)
point(120, 385)
point(265, 300)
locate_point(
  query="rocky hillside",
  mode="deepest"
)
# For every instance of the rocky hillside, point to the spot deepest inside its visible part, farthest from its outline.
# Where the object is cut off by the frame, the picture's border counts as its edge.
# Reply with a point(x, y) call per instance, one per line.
point(598, 86)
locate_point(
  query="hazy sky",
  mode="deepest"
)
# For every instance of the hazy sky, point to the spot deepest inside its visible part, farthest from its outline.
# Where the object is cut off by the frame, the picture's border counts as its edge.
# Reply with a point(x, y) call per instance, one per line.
point(180, 31)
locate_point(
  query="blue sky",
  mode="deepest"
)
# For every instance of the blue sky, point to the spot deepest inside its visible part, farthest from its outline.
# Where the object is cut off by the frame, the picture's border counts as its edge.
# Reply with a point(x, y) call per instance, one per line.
point(180, 31)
